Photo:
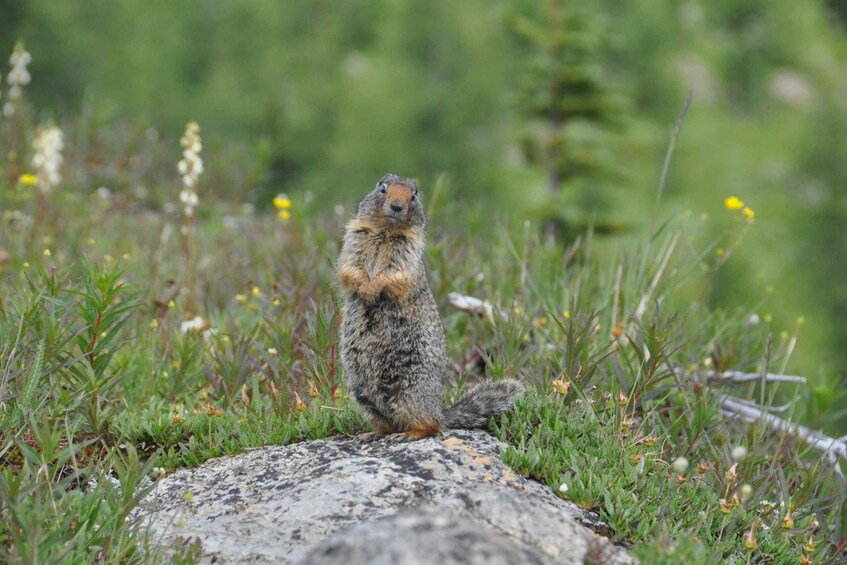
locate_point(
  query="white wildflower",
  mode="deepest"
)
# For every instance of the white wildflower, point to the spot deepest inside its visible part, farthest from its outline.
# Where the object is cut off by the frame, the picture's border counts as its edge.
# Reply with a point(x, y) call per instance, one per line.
point(190, 167)
point(17, 78)
point(738, 453)
point(680, 465)
point(563, 488)
point(47, 161)
point(752, 320)
point(197, 323)
point(104, 194)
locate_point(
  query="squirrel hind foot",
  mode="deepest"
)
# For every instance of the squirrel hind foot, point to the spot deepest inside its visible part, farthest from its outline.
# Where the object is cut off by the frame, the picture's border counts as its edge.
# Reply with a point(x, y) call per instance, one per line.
point(418, 431)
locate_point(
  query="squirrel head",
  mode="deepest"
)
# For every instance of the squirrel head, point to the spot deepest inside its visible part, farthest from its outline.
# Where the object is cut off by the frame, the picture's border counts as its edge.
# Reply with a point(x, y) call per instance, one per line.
point(394, 202)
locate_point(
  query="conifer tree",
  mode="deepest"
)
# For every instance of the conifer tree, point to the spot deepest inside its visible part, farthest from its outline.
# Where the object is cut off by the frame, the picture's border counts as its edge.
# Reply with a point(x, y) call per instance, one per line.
point(562, 86)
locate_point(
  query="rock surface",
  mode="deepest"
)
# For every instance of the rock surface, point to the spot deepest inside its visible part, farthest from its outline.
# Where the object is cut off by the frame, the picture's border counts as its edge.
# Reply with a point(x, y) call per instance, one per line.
point(343, 500)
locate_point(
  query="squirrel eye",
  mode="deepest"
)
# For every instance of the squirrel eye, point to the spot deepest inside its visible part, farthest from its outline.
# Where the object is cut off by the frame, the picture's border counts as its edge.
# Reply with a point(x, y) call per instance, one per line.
point(382, 188)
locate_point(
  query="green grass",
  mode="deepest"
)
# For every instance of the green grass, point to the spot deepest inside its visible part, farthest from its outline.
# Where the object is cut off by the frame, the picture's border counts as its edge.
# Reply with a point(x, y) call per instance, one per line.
point(102, 386)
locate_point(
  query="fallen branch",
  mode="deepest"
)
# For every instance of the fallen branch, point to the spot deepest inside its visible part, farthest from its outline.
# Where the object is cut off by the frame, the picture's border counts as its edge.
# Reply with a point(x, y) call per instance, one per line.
point(745, 402)
point(739, 377)
point(471, 305)
point(833, 448)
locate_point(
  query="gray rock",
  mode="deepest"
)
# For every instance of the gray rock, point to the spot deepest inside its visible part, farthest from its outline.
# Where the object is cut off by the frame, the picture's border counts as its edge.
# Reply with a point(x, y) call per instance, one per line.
point(343, 500)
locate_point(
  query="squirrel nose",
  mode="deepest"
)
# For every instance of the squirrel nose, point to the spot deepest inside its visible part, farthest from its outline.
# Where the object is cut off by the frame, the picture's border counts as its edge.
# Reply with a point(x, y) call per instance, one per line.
point(396, 207)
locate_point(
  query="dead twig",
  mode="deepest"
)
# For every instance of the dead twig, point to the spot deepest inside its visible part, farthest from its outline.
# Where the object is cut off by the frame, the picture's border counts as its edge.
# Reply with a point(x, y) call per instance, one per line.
point(750, 413)
point(475, 306)
point(739, 377)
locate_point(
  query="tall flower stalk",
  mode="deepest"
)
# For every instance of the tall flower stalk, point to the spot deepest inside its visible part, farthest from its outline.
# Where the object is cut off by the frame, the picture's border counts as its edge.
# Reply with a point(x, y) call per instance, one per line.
point(190, 167)
point(17, 78)
point(47, 163)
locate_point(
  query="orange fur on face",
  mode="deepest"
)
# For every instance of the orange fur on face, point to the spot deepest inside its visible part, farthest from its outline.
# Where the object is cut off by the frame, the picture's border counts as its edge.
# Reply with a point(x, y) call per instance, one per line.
point(399, 194)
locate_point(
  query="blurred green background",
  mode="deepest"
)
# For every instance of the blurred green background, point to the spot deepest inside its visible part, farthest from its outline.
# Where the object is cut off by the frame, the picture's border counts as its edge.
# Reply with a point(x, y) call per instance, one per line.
point(498, 99)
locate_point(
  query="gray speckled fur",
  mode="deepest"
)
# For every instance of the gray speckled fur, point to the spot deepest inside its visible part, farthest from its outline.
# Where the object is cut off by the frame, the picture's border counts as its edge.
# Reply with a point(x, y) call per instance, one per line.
point(393, 352)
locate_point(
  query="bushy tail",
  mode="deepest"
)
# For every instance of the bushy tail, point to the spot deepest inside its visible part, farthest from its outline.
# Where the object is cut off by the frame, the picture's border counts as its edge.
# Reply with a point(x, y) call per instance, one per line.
point(486, 399)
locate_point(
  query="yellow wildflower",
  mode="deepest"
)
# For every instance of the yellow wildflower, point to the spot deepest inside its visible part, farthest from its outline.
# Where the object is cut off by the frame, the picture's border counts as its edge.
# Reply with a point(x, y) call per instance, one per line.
point(809, 546)
point(240, 298)
point(282, 202)
point(567, 314)
point(748, 212)
point(750, 540)
point(733, 203)
point(171, 303)
point(561, 386)
point(788, 521)
point(26, 265)
point(284, 215)
point(28, 179)
point(154, 323)
point(617, 331)
point(47, 253)
point(257, 292)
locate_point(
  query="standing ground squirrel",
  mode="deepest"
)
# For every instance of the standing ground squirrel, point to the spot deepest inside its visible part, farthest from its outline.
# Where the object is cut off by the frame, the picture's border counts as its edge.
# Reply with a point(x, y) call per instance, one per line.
point(393, 349)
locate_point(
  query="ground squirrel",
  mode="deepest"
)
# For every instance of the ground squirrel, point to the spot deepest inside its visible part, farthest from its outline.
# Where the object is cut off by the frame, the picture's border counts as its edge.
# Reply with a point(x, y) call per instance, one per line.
point(393, 349)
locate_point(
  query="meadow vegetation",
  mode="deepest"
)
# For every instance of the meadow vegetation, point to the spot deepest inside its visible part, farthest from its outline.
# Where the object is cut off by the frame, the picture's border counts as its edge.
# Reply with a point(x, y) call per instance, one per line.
point(115, 372)
point(164, 303)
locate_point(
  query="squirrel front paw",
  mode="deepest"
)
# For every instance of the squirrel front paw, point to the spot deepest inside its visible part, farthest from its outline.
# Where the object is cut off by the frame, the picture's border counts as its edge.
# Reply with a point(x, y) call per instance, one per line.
point(399, 287)
point(352, 279)
point(369, 292)
point(395, 287)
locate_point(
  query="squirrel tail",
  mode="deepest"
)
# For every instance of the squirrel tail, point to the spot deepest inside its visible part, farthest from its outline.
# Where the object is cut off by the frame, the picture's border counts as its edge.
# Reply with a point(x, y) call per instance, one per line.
point(486, 399)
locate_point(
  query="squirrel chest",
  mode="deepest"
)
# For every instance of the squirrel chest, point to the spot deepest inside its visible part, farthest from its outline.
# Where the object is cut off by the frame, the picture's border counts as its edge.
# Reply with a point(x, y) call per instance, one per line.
point(385, 252)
